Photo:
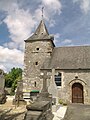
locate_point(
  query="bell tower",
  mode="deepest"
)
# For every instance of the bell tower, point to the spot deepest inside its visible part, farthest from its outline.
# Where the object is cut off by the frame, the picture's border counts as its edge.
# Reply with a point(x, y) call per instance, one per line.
point(38, 48)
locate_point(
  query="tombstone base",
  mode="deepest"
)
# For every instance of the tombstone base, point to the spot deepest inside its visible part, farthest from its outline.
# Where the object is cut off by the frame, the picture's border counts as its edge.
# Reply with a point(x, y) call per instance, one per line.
point(39, 110)
point(20, 102)
point(2, 97)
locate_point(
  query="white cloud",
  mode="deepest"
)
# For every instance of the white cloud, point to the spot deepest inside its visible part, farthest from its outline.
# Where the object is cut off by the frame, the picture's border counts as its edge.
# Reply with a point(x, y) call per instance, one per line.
point(56, 38)
point(20, 23)
point(7, 6)
point(84, 5)
point(52, 23)
point(59, 42)
point(51, 8)
point(3, 68)
point(67, 41)
point(52, 5)
point(10, 57)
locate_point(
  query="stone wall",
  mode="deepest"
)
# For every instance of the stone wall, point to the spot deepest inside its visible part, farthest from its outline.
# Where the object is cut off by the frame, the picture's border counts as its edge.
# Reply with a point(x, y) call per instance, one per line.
point(69, 77)
point(76, 76)
point(35, 54)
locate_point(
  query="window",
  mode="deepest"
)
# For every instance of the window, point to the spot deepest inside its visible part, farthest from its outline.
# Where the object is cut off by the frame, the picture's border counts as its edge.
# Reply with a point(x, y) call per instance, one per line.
point(36, 63)
point(35, 84)
point(37, 48)
point(58, 79)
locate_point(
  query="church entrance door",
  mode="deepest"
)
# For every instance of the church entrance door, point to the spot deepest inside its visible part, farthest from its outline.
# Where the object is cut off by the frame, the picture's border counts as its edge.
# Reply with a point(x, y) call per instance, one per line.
point(77, 93)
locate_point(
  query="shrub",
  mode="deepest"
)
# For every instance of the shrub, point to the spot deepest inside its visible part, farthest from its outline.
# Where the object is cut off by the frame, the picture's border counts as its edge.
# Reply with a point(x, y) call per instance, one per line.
point(60, 101)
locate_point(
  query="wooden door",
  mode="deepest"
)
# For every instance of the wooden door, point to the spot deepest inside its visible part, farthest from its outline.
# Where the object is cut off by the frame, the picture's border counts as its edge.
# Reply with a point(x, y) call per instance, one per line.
point(77, 93)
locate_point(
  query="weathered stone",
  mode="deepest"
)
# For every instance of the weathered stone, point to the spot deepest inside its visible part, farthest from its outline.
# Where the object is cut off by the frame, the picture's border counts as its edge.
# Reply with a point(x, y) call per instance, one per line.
point(73, 63)
point(33, 115)
point(39, 106)
point(19, 95)
point(2, 89)
point(37, 48)
point(2, 97)
point(41, 109)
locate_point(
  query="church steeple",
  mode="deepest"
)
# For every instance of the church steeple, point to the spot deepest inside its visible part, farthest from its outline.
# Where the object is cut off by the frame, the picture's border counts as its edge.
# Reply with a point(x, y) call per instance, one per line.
point(38, 48)
point(41, 33)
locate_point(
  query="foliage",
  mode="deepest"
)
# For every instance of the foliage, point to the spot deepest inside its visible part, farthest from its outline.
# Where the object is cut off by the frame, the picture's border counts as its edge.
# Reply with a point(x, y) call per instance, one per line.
point(12, 77)
point(61, 101)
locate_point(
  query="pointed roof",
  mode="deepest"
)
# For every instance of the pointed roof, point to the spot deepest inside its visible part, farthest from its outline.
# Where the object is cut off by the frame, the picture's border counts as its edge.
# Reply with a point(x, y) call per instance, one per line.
point(41, 33)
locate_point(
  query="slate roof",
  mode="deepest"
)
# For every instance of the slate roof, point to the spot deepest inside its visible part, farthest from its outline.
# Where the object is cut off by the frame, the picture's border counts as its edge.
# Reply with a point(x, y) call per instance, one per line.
point(76, 57)
point(41, 33)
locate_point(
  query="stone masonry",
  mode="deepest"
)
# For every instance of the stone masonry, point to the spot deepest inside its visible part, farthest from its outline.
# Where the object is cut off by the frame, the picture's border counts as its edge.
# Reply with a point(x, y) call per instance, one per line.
point(36, 52)
point(72, 63)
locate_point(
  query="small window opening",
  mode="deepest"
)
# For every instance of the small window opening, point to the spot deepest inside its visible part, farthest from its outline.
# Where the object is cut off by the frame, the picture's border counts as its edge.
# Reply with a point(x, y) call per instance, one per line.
point(36, 63)
point(58, 79)
point(37, 48)
point(76, 77)
point(35, 84)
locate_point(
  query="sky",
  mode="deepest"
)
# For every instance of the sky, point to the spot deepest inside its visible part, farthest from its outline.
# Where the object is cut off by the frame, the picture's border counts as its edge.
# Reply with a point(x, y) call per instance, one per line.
point(67, 20)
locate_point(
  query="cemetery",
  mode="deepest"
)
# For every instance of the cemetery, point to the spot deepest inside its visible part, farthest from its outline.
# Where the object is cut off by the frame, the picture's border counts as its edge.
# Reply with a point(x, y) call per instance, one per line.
point(55, 81)
point(17, 108)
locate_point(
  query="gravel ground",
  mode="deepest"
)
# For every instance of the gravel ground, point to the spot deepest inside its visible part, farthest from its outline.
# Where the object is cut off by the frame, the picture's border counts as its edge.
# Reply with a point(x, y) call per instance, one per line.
point(11, 112)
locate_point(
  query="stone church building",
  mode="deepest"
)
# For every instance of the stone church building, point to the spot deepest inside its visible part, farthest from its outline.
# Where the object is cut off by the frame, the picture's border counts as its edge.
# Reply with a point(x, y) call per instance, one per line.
point(68, 68)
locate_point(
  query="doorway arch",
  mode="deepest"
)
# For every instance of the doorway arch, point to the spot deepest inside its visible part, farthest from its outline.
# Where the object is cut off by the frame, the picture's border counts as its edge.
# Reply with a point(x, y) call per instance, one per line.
point(77, 93)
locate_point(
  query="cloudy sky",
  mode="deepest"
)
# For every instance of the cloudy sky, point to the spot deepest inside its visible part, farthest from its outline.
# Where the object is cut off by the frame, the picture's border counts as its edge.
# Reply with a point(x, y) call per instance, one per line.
point(68, 20)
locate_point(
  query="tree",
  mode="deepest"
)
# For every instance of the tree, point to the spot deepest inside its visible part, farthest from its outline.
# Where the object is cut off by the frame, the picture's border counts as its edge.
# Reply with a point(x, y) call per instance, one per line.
point(12, 77)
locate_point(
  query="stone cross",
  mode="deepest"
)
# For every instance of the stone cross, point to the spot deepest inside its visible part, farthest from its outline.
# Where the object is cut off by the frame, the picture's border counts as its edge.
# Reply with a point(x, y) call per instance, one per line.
point(19, 94)
point(44, 76)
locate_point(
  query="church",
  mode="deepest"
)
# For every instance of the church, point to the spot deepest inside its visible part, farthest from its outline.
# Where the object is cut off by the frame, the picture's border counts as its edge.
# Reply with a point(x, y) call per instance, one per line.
point(67, 68)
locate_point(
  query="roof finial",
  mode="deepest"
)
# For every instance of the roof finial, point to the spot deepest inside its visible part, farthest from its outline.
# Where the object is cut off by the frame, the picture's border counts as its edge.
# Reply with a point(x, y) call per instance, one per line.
point(42, 12)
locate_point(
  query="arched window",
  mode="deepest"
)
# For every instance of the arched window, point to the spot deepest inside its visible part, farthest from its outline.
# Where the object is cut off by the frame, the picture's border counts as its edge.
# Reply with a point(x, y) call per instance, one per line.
point(58, 79)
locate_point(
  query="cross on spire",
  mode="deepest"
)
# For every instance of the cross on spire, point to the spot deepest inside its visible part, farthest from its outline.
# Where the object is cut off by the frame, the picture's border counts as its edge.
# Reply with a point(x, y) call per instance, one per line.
point(42, 12)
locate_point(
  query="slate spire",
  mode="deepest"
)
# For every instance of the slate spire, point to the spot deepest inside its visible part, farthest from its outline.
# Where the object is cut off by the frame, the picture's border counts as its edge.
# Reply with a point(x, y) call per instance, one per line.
point(41, 32)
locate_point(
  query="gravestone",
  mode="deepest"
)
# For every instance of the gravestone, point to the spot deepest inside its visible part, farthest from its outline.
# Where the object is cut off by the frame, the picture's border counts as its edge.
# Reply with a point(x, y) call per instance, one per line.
point(44, 95)
point(2, 88)
point(19, 95)
point(41, 109)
